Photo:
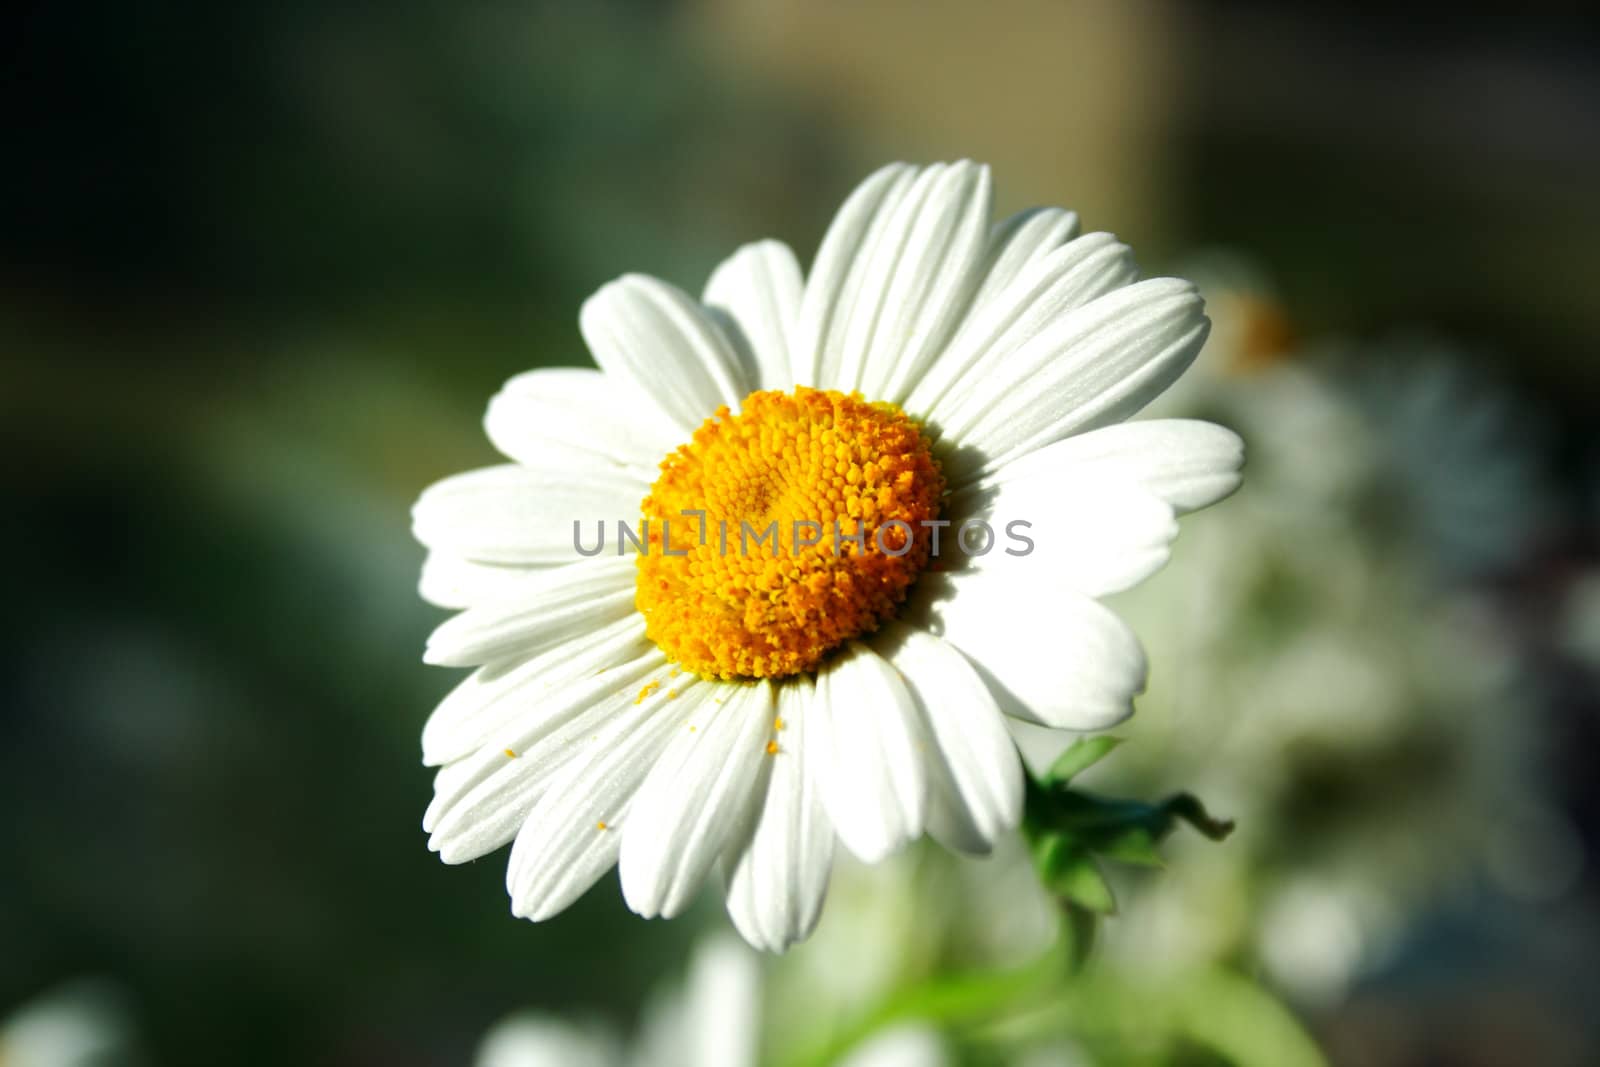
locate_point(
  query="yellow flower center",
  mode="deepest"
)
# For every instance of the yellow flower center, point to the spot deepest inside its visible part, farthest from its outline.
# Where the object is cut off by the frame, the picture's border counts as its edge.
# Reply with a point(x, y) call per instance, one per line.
point(779, 533)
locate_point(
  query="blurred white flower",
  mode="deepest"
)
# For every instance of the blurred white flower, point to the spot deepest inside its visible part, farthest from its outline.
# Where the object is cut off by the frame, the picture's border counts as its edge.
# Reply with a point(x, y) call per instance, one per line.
point(1464, 463)
point(1580, 620)
point(529, 1040)
point(85, 1024)
point(1443, 457)
point(904, 1046)
point(1359, 717)
point(715, 1021)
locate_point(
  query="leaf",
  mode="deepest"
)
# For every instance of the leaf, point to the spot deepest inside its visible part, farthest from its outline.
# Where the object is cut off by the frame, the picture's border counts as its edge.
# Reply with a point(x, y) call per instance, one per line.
point(1135, 846)
point(1187, 807)
point(1242, 1023)
point(1073, 875)
point(1084, 753)
point(1071, 832)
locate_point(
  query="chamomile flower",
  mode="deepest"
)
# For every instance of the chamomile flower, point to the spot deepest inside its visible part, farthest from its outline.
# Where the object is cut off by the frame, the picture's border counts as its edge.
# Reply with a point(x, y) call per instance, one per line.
point(925, 437)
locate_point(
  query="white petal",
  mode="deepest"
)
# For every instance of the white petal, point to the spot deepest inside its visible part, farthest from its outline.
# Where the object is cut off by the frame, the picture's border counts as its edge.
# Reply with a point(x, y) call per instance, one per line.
point(836, 274)
point(1096, 365)
point(563, 848)
point(449, 779)
point(1098, 536)
point(666, 346)
point(760, 287)
point(1035, 301)
point(481, 805)
point(488, 698)
point(696, 797)
point(924, 271)
point(513, 514)
point(1052, 656)
point(452, 582)
point(544, 414)
point(870, 747)
point(778, 878)
point(979, 763)
point(1018, 241)
point(843, 347)
point(550, 608)
point(1187, 463)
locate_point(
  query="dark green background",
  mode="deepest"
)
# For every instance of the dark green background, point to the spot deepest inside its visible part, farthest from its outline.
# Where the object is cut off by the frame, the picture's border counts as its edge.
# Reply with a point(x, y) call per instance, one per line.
point(263, 264)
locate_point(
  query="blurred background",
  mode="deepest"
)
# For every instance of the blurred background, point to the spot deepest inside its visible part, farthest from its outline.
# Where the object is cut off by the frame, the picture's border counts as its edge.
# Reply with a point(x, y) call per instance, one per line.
point(263, 264)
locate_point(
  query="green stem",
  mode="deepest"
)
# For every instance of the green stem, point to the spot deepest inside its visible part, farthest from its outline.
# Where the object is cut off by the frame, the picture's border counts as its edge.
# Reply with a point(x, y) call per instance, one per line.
point(953, 1000)
point(1062, 827)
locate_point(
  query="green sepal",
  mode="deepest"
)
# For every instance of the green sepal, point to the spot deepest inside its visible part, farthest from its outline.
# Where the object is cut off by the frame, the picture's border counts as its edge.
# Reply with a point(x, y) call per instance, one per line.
point(1135, 846)
point(1072, 832)
point(1075, 877)
point(1082, 754)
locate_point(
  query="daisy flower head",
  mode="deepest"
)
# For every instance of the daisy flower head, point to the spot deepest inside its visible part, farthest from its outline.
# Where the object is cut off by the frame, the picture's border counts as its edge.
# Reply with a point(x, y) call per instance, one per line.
point(783, 568)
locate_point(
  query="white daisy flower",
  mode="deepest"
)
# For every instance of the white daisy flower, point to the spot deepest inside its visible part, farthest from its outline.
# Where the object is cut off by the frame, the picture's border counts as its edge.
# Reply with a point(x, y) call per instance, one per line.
point(682, 699)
